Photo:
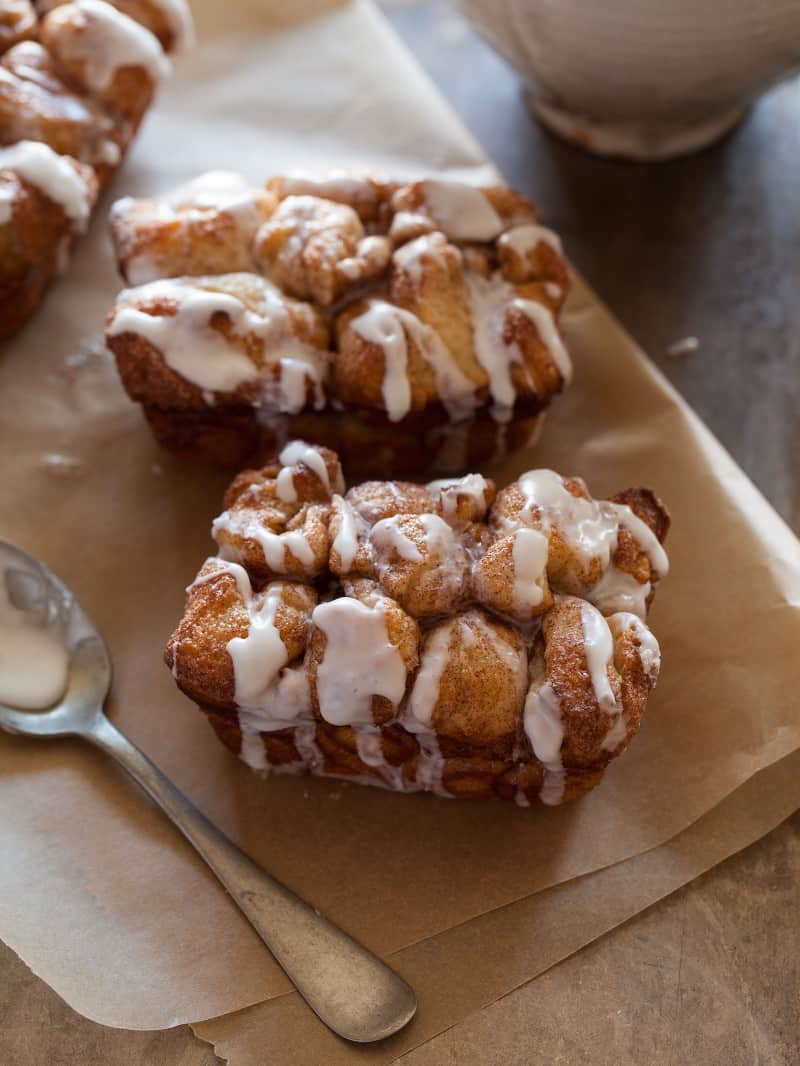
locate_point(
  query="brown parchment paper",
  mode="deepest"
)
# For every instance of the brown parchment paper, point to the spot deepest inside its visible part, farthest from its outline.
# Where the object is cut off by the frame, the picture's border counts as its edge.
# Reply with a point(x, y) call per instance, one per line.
point(97, 893)
point(470, 967)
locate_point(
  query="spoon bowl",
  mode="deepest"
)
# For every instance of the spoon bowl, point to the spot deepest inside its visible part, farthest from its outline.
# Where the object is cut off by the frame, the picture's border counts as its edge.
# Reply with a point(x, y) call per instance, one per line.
point(351, 990)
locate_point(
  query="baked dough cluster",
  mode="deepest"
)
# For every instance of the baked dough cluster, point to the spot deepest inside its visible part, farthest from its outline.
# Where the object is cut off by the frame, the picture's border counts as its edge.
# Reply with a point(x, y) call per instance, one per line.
point(442, 637)
point(410, 327)
point(76, 79)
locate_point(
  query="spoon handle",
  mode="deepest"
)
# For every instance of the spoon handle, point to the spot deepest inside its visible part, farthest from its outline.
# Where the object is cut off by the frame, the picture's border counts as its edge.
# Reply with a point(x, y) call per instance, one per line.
point(350, 989)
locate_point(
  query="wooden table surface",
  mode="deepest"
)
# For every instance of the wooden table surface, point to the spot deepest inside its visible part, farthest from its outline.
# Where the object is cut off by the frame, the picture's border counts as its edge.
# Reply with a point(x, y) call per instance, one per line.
point(706, 247)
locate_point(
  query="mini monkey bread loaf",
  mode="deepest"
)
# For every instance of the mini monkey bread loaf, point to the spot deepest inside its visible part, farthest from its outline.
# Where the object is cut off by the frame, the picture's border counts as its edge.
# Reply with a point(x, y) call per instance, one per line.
point(411, 327)
point(444, 637)
point(76, 79)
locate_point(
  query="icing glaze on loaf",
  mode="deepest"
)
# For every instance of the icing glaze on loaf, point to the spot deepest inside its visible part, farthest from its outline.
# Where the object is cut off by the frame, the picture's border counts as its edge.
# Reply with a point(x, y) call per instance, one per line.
point(54, 175)
point(109, 40)
point(444, 654)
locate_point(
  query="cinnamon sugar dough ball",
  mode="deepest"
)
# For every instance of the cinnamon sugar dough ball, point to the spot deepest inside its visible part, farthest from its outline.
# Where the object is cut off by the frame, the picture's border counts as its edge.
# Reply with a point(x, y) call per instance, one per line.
point(471, 683)
point(361, 655)
point(218, 609)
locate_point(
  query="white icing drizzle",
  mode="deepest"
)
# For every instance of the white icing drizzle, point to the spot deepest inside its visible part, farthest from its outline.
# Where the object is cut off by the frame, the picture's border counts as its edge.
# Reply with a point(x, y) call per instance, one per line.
point(52, 174)
point(425, 693)
point(345, 543)
point(304, 739)
point(430, 764)
point(252, 749)
point(461, 211)
point(542, 318)
point(524, 239)
point(599, 648)
point(543, 725)
point(225, 566)
point(649, 651)
point(207, 358)
point(272, 697)
point(274, 545)
point(185, 339)
point(259, 656)
point(216, 190)
point(529, 554)
point(643, 535)
point(109, 40)
point(359, 661)
point(409, 256)
point(370, 750)
point(294, 453)
point(619, 591)
point(590, 527)
point(489, 299)
point(387, 535)
point(388, 327)
point(552, 791)
point(448, 491)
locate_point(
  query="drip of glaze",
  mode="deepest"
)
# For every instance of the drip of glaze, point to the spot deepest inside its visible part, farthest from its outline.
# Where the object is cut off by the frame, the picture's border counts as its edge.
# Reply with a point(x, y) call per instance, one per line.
point(543, 726)
point(370, 750)
point(359, 662)
point(529, 554)
point(542, 318)
point(619, 591)
point(52, 174)
point(389, 327)
point(647, 645)
point(274, 545)
point(425, 693)
point(461, 211)
point(109, 40)
point(258, 657)
point(489, 299)
point(345, 543)
point(524, 239)
point(387, 536)
point(448, 492)
point(206, 357)
point(590, 527)
point(294, 453)
point(599, 648)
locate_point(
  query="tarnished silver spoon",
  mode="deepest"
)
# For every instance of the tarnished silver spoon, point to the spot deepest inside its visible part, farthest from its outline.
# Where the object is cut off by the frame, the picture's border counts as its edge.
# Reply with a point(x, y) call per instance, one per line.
point(350, 989)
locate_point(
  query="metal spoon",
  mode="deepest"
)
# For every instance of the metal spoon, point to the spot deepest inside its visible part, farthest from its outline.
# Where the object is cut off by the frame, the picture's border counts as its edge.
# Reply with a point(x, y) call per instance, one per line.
point(350, 989)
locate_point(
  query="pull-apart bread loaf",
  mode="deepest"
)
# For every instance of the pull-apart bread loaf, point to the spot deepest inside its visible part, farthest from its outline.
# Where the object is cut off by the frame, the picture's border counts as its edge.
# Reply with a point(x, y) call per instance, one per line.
point(442, 637)
point(411, 327)
point(75, 82)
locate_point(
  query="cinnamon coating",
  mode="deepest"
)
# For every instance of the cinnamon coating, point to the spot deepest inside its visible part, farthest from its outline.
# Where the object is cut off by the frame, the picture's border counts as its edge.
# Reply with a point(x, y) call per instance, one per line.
point(77, 79)
point(432, 324)
point(429, 637)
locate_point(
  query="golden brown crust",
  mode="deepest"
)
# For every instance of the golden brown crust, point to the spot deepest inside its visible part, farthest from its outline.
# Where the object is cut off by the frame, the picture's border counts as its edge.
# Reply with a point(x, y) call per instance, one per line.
point(479, 702)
